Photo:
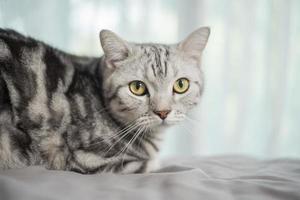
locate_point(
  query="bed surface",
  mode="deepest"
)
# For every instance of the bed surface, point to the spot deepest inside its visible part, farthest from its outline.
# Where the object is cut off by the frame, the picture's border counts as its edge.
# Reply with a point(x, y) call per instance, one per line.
point(211, 178)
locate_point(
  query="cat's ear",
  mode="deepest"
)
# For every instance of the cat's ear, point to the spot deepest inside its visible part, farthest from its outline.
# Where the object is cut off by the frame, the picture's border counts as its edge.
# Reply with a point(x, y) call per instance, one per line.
point(115, 48)
point(195, 43)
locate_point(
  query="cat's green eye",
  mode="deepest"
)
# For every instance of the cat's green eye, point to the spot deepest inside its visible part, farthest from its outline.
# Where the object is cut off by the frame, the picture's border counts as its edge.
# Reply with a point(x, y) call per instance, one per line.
point(138, 88)
point(181, 85)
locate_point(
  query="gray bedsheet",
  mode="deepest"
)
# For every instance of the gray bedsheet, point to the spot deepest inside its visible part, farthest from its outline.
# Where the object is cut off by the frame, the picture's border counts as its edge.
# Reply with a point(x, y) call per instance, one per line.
point(190, 178)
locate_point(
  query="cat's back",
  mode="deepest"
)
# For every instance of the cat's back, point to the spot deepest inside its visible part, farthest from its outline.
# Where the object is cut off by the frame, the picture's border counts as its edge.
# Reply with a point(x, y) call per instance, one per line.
point(26, 60)
point(30, 70)
point(19, 50)
point(33, 70)
point(12, 48)
point(13, 44)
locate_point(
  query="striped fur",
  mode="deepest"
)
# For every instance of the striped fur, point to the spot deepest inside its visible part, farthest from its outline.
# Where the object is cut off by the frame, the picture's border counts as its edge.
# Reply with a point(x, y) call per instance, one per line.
point(76, 113)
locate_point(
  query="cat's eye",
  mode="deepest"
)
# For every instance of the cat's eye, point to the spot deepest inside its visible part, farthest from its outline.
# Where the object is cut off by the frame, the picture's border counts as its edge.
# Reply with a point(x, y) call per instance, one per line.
point(181, 85)
point(138, 88)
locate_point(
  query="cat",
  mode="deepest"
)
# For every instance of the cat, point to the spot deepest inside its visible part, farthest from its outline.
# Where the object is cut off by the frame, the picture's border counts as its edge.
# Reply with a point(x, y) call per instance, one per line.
point(94, 114)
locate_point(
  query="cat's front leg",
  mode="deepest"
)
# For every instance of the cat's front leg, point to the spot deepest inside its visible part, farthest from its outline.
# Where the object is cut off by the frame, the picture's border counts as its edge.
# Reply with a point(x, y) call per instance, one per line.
point(139, 166)
point(54, 152)
point(51, 145)
point(88, 162)
point(153, 165)
point(15, 148)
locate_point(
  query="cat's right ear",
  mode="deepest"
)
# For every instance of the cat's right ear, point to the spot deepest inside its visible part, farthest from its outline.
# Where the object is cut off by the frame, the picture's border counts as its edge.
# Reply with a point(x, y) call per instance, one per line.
point(115, 49)
point(195, 43)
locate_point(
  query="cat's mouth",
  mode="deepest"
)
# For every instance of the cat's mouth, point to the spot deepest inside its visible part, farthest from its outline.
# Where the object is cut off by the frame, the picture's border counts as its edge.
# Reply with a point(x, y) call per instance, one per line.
point(153, 121)
point(166, 122)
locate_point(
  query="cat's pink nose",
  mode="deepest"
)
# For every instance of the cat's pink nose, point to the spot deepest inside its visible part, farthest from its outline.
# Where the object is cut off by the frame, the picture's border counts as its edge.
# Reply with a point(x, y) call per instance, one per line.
point(162, 113)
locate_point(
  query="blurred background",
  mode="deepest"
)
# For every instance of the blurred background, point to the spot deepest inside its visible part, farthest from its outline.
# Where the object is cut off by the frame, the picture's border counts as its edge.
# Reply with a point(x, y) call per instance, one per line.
point(251, 103)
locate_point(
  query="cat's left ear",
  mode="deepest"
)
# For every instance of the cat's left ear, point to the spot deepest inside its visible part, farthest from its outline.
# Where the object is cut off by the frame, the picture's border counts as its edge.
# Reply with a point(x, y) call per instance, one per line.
point(195, 43)
point(115, 48)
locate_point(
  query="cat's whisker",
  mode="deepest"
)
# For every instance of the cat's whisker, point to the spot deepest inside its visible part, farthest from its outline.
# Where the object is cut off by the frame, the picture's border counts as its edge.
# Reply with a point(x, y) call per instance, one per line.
point(124, 149)
point(192, 122)
point(191, 119)
point(143, 135)
point(117, 134)
point(120, 132)
point(132, 139)
point(134, 126)
point(123, 133)
point(102, 110)
point(189, 131)
point(140, 130)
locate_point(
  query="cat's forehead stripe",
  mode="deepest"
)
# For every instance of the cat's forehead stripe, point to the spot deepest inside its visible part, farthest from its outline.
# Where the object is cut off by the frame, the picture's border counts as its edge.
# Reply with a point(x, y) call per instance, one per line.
point(158, 56)
point(153, 69)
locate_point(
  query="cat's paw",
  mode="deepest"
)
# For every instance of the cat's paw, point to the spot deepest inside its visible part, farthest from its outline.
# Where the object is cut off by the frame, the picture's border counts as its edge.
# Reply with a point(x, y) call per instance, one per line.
point(152, 165)
point(145, 166)
point(56, 162)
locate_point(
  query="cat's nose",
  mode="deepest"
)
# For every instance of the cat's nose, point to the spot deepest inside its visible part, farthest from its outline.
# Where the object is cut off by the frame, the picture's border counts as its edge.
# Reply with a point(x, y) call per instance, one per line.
point(162, 113)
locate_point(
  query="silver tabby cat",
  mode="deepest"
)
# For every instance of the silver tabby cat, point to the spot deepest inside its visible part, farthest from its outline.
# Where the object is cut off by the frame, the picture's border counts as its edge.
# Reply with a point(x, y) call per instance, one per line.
point(94, 115)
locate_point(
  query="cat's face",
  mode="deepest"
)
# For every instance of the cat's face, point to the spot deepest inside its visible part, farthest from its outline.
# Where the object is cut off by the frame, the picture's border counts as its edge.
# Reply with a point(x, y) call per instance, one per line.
point(152, 85)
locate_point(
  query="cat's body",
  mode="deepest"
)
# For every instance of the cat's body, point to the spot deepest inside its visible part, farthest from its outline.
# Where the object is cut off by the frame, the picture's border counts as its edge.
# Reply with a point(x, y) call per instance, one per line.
point(73, 113)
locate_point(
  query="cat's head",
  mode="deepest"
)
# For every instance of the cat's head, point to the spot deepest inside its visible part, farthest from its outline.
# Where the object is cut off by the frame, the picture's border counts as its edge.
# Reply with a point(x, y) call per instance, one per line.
point(152, 85)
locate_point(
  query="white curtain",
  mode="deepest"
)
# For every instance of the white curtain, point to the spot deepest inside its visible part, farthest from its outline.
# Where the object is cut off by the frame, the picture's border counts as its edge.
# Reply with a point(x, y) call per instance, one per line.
point(251, 103)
